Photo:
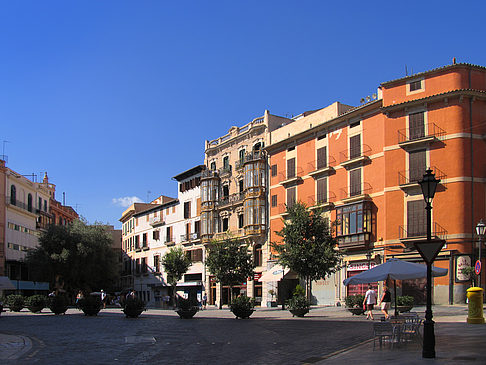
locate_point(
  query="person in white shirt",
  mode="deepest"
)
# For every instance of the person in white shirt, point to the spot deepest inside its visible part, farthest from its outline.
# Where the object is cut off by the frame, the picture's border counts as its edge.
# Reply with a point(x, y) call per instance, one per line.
point(370, 301)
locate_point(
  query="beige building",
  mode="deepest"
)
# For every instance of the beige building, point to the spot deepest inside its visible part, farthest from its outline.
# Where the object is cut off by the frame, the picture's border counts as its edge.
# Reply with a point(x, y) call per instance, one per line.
point(234, 199)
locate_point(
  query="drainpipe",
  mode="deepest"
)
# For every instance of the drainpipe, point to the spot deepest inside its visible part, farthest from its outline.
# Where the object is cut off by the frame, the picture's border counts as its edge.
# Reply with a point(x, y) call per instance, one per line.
point(472, 164)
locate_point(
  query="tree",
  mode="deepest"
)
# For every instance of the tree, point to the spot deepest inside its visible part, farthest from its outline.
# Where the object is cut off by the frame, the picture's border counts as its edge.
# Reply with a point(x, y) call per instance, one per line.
point(75, 256)
point(229, 261)
point(175, 264)
point(308, 247)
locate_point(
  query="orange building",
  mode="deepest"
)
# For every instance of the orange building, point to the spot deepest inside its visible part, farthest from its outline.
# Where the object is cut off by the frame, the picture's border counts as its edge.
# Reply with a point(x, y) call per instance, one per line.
point(363, 164)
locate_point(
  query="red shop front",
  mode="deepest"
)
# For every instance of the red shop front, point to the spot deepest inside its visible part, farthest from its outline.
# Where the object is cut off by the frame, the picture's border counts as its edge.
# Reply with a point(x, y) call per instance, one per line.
point(355, 268)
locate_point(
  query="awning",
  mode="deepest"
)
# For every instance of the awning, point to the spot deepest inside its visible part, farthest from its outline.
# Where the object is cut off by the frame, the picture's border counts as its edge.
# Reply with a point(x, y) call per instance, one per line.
point(276, 273)
point(190, 283)
point(5, 283)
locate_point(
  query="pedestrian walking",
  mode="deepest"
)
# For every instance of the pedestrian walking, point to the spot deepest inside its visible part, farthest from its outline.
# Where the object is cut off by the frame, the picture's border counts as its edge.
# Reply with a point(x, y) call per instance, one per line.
point(369, 301)
point(205, 300)
point(385, 302)
point(103, 298)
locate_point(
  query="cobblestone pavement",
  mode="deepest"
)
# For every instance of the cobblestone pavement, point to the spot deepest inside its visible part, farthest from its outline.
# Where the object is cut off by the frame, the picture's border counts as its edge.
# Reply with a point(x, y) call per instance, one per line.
point(160, 337)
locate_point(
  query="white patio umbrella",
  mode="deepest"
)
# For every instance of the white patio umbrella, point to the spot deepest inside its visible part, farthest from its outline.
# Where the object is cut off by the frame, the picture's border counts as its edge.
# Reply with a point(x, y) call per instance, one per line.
point(394, 269)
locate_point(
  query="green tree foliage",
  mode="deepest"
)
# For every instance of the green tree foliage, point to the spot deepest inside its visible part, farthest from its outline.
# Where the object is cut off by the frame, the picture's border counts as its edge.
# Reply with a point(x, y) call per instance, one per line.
point(308, 247)
point(229, 261)
point(175, 264)
point(75, 256)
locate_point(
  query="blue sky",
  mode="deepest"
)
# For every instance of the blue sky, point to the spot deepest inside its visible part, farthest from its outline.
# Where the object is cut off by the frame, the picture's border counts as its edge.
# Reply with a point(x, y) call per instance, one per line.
point(114, 98)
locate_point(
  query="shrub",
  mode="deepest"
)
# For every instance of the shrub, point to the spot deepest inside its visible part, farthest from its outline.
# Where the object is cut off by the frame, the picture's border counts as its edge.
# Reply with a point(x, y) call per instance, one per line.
point(353, 301)
point(242, 303)
point(58, 304)
point(36, 303)
point(186, 304)
point(15, 302)
point(405, 300)
point(133, 307)
point(90, 305)
point(298, 300)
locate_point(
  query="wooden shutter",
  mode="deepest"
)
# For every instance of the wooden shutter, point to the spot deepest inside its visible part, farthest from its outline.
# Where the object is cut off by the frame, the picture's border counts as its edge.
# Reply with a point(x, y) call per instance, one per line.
point(274, 200)
point(274, 170)
point(290, 168)
point(322, 190)
point(416, 220)
point(355, 182)
point(291, 196)
point(355, 146)
point(416, 125)
point(321, 158)
point(417, 165)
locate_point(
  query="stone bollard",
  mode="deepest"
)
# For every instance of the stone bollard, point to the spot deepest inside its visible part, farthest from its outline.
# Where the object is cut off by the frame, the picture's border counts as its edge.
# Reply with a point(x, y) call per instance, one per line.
point(475, 305)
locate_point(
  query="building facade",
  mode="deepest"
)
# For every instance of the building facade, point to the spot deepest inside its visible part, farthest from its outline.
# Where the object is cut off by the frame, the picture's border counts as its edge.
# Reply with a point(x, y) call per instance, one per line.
point(234, 195)
point(363, 165)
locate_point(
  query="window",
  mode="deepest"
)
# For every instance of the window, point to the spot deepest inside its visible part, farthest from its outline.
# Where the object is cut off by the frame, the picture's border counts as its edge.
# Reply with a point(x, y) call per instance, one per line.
point(226, 162)
point(355, 124)
point(39, 206)
point(157, 263)
point(290, 149)
point(137, 240)
point(321, 158)
point(156, 235)
point(274, 200)
point(195, 256)
point(274, 170)
point(291, 196)
point(45, 206)
point(321, 190)
point(187, 210)
point(416, 219)
point(144, 240)
point(241, 186)
point(197, 227)
point(353, 219)
point(290, 168)
point(254, 213)
point(355, 146)
point(415, 85)
point(417, 165)
point(168, 237)
point(188, 231)
point(224, 224)
point(416, 126)
point(241, 223)
point(225, 191)
point(241, 155)
point(13, 195)
point(322, 136)
point(144, 265)
point(355, 182)
point(29, 202)
point(213, 166)
point(257, 255)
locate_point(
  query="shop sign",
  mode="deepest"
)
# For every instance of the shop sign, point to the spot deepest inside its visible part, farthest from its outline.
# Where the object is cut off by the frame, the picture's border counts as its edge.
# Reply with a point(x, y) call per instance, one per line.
point(360, 266)
point(462, 261)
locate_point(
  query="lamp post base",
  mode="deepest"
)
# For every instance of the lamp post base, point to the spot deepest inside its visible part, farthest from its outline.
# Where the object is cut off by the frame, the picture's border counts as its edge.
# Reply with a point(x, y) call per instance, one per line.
point(428, 351)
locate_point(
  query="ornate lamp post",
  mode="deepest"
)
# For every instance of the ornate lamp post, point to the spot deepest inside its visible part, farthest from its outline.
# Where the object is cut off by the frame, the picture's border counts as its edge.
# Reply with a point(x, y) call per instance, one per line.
point(480, 230)
point(428, 185)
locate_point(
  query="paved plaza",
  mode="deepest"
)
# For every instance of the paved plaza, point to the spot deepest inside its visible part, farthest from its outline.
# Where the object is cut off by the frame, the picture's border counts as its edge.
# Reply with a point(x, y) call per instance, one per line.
point(271, 336)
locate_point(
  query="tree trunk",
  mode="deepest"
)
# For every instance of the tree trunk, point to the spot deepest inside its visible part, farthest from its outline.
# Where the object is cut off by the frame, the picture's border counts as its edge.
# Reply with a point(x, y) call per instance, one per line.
point(308, 289)
point(220, 296)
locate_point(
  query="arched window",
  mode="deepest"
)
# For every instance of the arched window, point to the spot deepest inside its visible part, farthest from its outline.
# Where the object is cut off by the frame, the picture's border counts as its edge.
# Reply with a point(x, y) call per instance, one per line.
point(13, 195)
point(257, 147)
point(29, 202)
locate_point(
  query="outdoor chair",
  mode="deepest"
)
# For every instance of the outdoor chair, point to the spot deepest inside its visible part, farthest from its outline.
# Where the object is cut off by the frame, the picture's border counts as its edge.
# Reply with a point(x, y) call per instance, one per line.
point(410, 329)
point(383, 331)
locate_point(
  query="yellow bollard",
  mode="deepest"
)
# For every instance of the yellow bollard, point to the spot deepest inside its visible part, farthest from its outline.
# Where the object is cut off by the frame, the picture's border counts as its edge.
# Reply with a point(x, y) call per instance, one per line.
point(475, 305)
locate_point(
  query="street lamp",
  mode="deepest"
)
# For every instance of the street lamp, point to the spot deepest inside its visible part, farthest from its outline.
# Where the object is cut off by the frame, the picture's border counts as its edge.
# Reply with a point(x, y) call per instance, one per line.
point(429, 185)
point(480, 230)
point(368, 257)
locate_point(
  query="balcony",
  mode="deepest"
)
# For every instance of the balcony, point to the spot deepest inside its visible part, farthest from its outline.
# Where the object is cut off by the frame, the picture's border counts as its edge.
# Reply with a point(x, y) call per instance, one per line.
point(255, 230)
point(156, 221)
point(291, 178)
point(21, 205)
point(409, 178)
point(323, 201)
point(225, 170)
point(356, 193)
point(189, 237)
point(169, 242)
point(209, 174)
point(354, 241)
point(318, 168)
point(420, 136)
point(235, 233)
point(408, 234)
point(233, 199)
point(355, 157)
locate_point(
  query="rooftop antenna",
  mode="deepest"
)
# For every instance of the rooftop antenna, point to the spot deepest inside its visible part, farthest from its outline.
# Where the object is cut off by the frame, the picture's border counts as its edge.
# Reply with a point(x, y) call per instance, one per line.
point(406, 70)
point(4, 157)
point(63, 198)
point(148, 195)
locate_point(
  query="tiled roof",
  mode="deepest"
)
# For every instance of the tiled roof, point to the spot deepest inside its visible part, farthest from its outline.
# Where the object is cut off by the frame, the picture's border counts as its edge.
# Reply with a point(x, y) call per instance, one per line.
point(444, 94)
point(433, 70)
